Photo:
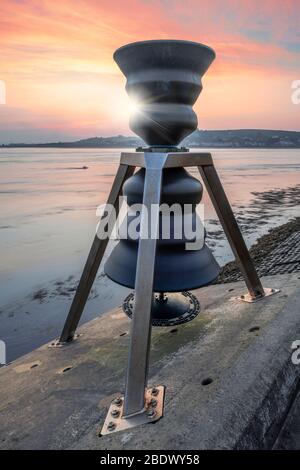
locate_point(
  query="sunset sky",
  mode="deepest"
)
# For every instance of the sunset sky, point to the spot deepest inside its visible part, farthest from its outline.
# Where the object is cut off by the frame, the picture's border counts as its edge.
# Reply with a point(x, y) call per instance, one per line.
point(62, 83)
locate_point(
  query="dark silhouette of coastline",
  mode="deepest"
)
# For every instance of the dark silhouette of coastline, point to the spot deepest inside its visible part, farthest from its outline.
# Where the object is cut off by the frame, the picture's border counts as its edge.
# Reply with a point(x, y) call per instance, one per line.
point(238, 138)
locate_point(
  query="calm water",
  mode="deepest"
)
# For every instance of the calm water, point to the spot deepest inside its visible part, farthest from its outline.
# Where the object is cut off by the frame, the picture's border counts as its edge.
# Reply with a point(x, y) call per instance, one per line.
point(48, 211)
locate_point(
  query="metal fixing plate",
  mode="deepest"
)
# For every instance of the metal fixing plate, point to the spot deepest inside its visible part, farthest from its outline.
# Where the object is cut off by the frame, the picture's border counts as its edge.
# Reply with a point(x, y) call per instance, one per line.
point(58, 344)
point(154, 406)
point(249, 299)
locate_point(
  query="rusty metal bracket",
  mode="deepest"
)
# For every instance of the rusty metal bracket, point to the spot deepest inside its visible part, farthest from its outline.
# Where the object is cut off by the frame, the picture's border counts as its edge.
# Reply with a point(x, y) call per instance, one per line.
point(57, 343)
point(116, 421)
point(249, 299)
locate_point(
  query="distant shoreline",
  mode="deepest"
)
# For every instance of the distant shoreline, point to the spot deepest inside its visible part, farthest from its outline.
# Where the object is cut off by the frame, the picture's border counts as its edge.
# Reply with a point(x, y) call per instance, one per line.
point(223, 139)
point(133, 146)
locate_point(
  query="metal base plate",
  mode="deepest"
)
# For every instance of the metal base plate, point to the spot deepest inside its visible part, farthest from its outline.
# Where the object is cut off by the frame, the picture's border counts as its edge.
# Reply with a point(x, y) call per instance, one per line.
point(170, 149)
point(249, 299)
point(154, 406)
point(59, 344)
point(176, 308)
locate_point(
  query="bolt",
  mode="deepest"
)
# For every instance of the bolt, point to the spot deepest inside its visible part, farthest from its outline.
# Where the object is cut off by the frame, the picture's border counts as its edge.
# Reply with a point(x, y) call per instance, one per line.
point(155, 391)
point(151, 414)
point(115, 413)
point(118, 401)
point(111, 426)
point(153, 402)
point(162, 297)
point(272, 290)
point(242, 296)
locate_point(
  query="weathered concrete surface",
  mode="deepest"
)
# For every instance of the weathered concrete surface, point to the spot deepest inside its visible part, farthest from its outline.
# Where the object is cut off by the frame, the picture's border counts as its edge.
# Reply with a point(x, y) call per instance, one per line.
point(244, 348)
point(289, 437)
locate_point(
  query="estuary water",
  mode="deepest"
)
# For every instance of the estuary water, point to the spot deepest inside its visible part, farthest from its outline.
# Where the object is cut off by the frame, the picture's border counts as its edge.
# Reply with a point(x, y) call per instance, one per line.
point(48, 201)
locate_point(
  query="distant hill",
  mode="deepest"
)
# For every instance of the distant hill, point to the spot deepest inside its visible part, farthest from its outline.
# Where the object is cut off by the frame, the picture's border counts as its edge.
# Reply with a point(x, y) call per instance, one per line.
point(240, 138)
point(244, 138)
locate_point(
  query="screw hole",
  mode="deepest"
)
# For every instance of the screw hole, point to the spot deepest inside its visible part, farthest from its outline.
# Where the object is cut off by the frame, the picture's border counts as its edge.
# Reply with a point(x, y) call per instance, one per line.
point(66, 369)
point(254, 328)
point(33, 366)
point(207, 381)
point(230, 290)
point(123, 334)
point(174, 330)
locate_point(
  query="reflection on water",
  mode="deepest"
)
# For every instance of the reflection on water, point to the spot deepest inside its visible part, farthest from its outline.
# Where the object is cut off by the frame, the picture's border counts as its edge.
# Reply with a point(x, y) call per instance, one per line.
point(48, 207)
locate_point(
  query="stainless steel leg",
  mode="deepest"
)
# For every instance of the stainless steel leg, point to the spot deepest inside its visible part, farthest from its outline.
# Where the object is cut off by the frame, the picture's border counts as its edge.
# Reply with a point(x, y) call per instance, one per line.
point(223, 209)
point(137, 370)
point(93, 261)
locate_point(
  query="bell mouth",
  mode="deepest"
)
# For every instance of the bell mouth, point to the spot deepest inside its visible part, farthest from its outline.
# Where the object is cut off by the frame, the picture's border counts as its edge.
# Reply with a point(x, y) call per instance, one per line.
point(164, 41)
point(166, 53)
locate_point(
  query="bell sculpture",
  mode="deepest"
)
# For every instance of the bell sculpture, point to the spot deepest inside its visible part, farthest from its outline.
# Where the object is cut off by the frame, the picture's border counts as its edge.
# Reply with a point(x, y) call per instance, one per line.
point(164, 79)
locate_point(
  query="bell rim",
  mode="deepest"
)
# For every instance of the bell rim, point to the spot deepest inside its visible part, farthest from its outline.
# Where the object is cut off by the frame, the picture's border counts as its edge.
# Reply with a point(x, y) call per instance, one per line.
point(182, 288)
point(165, 41)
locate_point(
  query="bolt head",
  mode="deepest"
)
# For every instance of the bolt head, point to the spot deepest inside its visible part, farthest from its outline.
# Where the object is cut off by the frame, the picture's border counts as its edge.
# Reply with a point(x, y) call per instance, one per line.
point(115, 413)
point(111, 426)
point(118, 401)
point(153, 402)
point(151, 414)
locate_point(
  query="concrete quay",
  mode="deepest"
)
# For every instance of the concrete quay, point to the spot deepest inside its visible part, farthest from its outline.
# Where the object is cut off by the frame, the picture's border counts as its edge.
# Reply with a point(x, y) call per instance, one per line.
point(230, 381)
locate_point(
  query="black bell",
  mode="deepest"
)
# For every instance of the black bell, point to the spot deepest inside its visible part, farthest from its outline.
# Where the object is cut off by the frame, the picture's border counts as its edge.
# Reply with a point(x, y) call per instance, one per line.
point(176, 268)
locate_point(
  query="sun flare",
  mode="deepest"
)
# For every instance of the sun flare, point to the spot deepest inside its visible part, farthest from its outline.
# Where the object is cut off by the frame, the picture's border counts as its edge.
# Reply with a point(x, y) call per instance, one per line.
point(133, 105)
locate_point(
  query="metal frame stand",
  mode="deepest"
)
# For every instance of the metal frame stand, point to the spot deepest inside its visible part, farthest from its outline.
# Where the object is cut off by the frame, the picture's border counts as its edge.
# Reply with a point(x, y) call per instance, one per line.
point(140, 404)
